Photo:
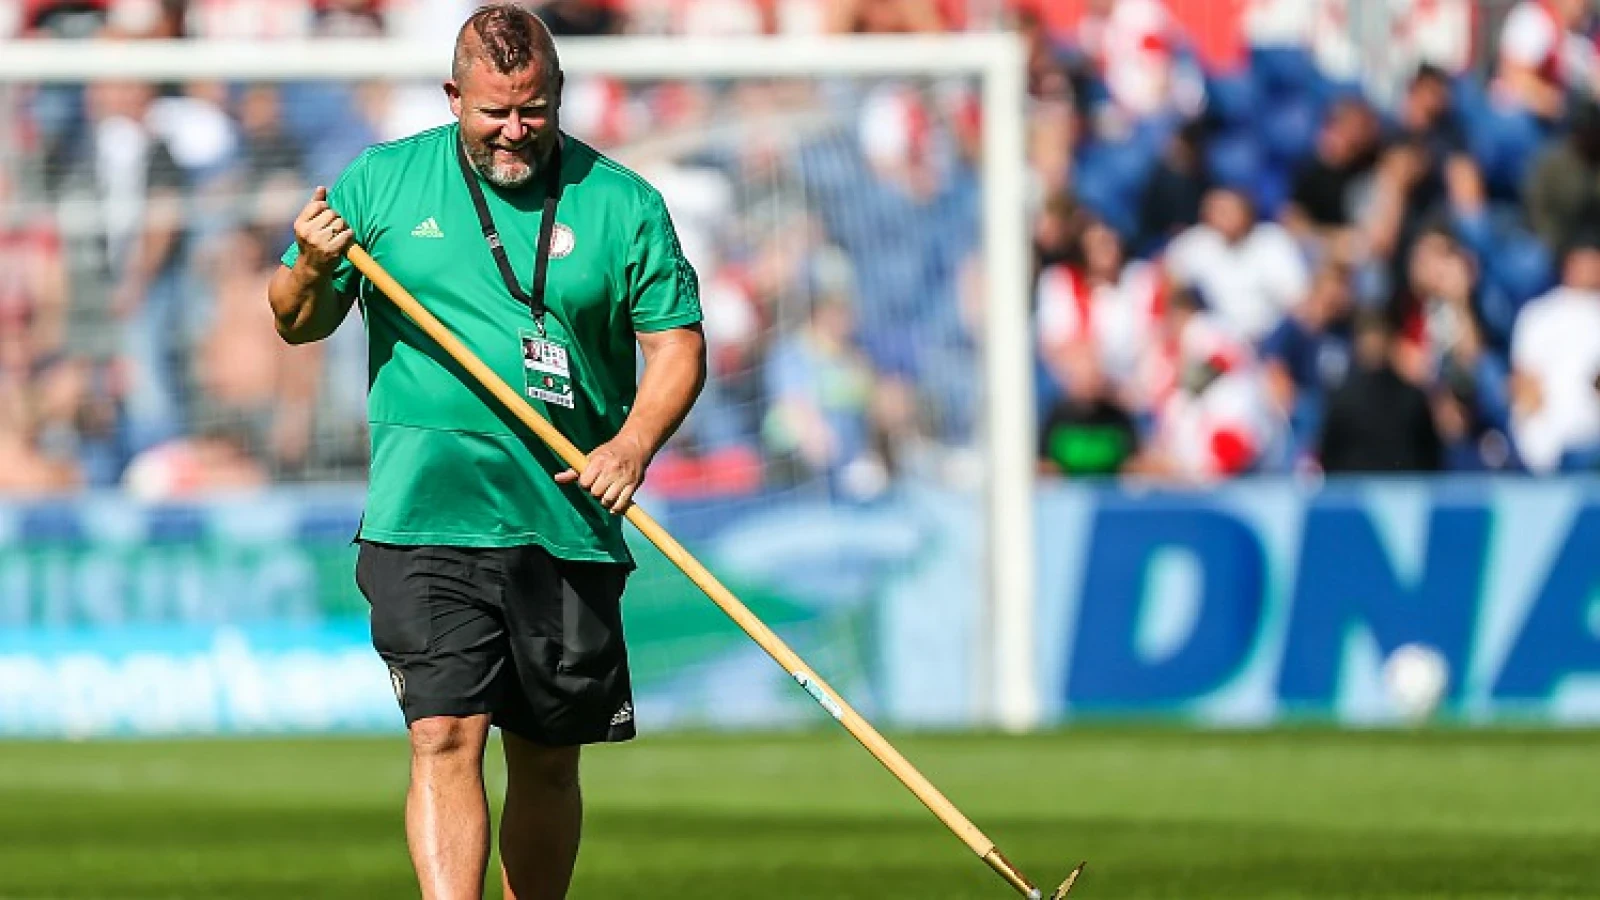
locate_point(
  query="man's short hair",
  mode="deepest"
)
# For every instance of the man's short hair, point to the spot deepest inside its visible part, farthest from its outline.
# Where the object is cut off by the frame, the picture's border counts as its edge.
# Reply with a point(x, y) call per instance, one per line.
point(1586, 239)
point(1428, 72)
point(506, 36)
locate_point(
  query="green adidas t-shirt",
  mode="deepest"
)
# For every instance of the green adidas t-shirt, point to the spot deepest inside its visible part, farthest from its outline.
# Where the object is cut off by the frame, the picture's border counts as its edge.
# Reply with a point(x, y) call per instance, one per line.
point(449, 464)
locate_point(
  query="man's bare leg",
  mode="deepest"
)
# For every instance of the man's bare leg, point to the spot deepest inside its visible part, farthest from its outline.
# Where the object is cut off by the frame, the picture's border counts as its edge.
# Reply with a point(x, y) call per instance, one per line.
point(447, 817)
point(542, 822)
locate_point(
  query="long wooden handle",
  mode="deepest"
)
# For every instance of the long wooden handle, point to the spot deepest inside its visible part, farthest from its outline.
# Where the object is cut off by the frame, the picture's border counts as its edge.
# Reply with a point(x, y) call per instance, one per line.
point(791, 662)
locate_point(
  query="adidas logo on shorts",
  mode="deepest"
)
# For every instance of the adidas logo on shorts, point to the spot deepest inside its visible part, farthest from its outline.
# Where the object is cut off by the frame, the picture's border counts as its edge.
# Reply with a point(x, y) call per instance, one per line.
point(624, 715)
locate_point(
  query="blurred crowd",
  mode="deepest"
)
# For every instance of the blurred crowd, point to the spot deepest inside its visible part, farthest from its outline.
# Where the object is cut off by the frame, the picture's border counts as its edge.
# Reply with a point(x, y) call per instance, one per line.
point(1263, 269)
point(1250, 265)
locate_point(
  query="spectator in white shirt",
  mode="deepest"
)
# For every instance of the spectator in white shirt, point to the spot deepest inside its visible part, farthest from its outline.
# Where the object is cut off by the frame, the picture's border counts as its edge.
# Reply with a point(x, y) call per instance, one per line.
point(1555, 361)
point(1250, 273)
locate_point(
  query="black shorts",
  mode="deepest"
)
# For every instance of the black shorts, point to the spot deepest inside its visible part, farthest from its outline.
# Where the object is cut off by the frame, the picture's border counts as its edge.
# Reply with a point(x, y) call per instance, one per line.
point(514, 631)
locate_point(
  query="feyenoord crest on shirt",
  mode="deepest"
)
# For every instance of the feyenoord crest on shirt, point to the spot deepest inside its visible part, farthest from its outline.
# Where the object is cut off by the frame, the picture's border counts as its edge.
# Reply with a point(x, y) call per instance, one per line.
point(562, 241)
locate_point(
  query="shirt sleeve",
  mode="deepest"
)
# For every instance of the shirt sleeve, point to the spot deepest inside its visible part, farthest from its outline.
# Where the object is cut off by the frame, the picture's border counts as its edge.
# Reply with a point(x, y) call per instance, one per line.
point(1181, 258)
point(1057, 312)
point(663, 289)
point(348, 197)
point(1283, 268)
point(1525, 337)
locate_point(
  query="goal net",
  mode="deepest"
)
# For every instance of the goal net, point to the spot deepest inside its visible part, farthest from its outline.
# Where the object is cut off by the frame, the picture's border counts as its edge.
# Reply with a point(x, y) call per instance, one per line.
point(856, 468)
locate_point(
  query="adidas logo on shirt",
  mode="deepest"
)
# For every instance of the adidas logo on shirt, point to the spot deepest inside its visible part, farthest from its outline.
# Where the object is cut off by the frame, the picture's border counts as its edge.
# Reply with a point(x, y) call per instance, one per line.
point(428, 229)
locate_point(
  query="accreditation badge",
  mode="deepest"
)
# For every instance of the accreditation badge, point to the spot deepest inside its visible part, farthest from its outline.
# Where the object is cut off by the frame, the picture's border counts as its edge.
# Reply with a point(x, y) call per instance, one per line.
point(546, 369)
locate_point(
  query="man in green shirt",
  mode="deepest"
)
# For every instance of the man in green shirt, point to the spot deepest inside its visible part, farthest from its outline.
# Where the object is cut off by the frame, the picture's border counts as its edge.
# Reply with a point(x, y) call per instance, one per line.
point(494, 573)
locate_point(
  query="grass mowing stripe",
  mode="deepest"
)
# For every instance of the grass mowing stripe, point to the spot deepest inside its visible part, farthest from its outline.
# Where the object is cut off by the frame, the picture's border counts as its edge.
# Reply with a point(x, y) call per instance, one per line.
point(1160, 813)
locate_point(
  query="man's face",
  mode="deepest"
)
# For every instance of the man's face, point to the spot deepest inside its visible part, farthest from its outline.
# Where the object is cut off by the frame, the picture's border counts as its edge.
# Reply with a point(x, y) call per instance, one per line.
point(119, 99)
point(1102, 251)
point(1427, 257)
point(834, 318)
point(260, 111)
point(1229, 213)
point(1330, 298)
point(1583, 270)
point(1426, 101)
point(1347, 133)
point(508, 121)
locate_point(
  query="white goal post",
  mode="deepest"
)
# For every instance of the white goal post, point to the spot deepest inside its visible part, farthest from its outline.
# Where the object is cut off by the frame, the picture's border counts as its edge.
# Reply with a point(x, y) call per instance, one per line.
point(1010, 698)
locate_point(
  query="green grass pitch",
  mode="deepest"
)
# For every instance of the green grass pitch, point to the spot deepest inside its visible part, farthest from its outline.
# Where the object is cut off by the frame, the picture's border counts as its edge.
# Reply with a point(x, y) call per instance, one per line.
point(1158, 813)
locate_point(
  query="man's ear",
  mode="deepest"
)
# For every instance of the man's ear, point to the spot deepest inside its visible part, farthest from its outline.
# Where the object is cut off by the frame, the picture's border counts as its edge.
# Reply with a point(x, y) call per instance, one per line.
point(453, 92)
point(561, 87)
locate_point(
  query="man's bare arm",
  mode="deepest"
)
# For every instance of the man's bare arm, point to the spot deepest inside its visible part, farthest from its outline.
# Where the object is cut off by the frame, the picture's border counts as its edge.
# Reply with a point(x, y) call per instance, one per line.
point(304, 303)
point(674, 373)
point(163, 219)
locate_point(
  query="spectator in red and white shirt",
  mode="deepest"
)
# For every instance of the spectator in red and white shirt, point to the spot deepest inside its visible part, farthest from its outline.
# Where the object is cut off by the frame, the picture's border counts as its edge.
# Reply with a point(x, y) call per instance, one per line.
point(1134, 46)
point(1099, 304)
point(1543, 56)
point(1218, 420)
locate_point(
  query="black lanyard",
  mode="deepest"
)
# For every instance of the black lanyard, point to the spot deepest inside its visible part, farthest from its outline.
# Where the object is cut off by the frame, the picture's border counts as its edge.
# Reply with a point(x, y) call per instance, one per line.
point(541, 260)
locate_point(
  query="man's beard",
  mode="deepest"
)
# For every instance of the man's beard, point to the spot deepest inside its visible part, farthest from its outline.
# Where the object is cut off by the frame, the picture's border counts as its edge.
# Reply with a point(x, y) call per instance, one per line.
point(502, 173)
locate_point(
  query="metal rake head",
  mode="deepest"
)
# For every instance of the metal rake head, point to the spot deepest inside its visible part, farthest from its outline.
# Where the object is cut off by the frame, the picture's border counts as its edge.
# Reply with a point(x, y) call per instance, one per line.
point(1026, 888)
point(1066, 886)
